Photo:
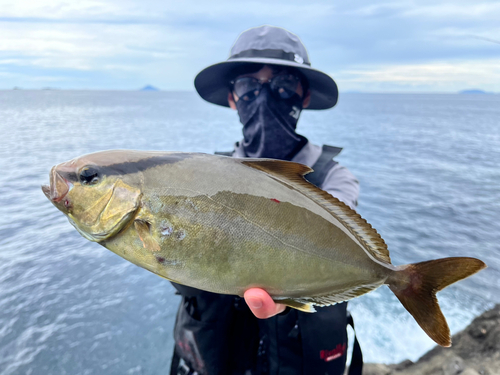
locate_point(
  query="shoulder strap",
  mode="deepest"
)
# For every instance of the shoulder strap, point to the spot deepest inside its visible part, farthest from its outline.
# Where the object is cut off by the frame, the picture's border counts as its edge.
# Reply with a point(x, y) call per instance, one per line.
point(356, 367)
point(324, 163)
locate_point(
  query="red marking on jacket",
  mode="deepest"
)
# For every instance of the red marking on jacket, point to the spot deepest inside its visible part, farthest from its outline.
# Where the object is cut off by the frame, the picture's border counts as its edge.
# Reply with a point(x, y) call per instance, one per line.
point(330, 355)
point(275, 200)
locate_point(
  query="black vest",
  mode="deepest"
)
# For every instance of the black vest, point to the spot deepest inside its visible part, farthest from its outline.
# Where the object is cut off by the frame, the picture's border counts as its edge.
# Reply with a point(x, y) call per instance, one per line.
point(218, 334)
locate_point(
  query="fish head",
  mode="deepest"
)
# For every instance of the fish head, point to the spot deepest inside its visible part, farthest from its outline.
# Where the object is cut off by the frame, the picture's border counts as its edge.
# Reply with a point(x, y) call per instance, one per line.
point(98, 199)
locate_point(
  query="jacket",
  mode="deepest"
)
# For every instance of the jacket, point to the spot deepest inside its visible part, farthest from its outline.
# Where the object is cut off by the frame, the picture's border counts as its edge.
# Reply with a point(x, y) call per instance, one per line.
point(218, 334)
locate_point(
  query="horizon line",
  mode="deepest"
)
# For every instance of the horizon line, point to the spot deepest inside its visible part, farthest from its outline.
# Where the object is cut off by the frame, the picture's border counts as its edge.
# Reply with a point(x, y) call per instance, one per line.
point(461, 92)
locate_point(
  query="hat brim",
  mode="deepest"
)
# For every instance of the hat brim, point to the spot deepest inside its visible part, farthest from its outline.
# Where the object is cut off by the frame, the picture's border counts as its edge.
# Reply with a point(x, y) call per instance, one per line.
point(212, 83)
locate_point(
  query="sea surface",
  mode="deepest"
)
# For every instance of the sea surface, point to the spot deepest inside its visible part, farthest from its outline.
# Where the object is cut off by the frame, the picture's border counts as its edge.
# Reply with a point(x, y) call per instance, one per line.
point(430, 183)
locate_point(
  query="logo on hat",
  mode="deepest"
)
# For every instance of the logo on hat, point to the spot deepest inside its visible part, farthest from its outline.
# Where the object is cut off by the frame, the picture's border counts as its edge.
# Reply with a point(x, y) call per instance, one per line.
point(298, 59)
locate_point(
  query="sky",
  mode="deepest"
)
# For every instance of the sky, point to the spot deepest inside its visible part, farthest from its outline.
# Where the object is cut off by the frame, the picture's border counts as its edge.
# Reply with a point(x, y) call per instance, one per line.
point(384, 46)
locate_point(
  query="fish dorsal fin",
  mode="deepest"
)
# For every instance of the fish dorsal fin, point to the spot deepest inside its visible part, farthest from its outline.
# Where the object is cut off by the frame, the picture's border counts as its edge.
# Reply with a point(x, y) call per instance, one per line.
point(279, 168)
point(292, 174)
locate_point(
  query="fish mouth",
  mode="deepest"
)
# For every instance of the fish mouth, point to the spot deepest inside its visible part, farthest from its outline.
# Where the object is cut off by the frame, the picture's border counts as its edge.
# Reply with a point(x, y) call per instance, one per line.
point(58, 187)
point(46, 191)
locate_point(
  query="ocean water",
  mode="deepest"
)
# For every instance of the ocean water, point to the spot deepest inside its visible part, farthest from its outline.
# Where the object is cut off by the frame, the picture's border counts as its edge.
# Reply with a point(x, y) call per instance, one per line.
point(430, 184)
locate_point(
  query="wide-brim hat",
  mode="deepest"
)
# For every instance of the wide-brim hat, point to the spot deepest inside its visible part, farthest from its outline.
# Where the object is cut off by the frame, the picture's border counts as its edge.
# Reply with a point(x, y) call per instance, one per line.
point(266, 45)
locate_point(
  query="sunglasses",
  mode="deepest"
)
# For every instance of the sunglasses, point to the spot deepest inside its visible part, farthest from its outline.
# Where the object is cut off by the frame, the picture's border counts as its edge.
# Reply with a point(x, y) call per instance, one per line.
point(283, 86)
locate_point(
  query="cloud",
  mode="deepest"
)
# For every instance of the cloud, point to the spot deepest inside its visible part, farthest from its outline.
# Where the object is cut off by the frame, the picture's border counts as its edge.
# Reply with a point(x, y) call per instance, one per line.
point(465, 10)
point(57, 9)
point(124, 44)
point(485, 39)
point(431, 77)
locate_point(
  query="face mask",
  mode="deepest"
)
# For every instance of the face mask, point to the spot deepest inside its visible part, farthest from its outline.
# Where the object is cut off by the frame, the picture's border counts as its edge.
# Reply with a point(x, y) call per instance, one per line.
point(269, 126)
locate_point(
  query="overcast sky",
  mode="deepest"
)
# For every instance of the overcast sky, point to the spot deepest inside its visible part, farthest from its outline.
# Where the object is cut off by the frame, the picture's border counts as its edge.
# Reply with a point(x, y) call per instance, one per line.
point(392, 46)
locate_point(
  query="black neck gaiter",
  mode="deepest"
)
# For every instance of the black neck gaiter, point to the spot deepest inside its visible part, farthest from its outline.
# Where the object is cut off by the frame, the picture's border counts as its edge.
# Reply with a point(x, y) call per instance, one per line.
point(269, 126)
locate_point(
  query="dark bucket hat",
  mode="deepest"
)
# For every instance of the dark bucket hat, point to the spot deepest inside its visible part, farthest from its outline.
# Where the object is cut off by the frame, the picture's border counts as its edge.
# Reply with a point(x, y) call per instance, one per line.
point(266, 45)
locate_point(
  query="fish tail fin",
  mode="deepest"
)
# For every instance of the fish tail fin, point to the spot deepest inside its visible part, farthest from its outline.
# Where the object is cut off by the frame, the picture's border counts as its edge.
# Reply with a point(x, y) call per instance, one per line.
point(416, 286)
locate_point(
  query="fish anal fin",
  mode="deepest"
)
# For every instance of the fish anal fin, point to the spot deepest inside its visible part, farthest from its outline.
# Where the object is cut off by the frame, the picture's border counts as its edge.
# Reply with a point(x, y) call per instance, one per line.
point(294, 304)
point(307, 304)
point(341, 295)
point(143, 229)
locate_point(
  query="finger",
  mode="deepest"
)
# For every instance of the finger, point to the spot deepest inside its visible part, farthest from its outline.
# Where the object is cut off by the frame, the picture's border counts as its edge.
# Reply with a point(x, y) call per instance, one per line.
point(261, 304)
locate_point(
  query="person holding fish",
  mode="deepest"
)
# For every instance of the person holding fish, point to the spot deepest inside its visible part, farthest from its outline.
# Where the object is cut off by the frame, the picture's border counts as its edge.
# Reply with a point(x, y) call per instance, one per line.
point(268, 80)
point(256, 235)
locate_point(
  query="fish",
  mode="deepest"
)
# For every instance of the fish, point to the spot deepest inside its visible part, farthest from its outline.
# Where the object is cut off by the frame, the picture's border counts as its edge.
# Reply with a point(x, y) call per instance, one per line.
point(225, 225)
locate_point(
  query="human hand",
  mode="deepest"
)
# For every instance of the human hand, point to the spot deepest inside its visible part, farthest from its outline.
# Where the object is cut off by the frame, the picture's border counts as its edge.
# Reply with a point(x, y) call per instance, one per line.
point(261, 304)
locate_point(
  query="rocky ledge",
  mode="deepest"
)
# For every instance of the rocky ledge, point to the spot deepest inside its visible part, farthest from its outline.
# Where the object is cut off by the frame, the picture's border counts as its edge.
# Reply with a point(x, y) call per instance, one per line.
point(475, 351)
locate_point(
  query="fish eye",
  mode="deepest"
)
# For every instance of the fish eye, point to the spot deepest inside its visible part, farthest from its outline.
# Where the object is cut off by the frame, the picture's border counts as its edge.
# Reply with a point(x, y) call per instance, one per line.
point(89, 176)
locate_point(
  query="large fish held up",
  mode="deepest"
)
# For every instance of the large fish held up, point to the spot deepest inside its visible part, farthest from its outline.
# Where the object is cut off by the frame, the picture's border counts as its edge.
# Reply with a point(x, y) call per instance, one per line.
point(225, 225)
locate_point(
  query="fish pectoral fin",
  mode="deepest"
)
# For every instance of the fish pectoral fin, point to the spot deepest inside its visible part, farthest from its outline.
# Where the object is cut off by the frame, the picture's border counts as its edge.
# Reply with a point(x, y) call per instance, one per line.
point(305, 307)
point(143, 229)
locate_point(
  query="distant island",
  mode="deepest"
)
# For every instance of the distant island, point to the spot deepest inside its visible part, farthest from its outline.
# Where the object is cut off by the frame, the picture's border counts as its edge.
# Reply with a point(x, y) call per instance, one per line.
point(473, 91)
point(149, 88)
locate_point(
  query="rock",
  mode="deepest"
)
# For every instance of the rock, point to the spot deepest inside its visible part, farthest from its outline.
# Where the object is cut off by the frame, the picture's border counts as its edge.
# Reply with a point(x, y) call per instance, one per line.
point(469, 371)
point(401, 366)
point(453, 366)
point(376, 369)
point(475, 351)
